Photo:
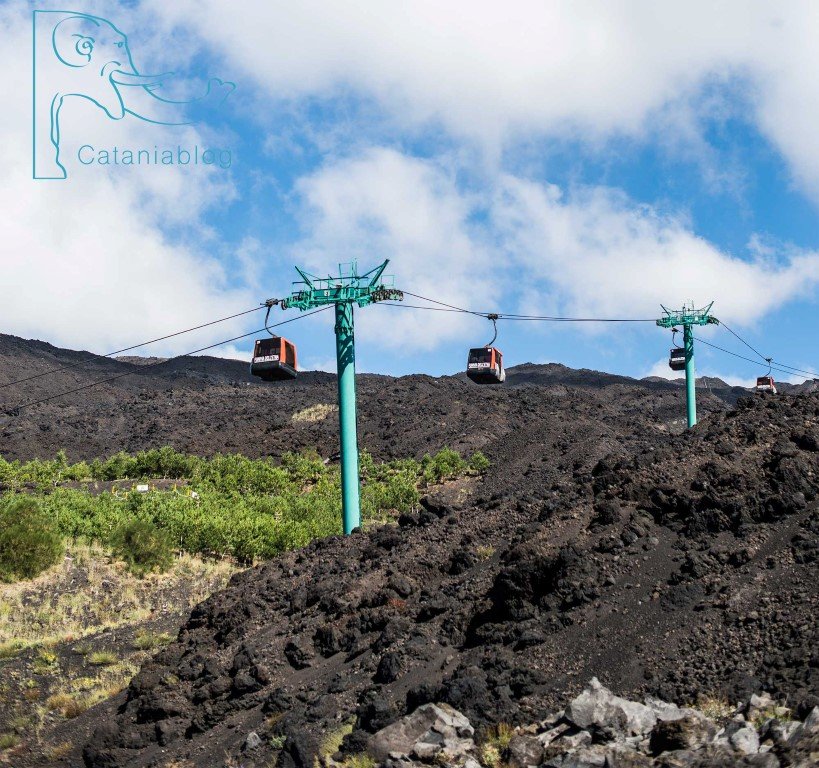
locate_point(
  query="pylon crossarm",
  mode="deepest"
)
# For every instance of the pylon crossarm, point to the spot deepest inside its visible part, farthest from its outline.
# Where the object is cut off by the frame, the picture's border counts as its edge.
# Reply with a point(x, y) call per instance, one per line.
point(305, 277)
point(687, 316)
point(347, 288)
point(377, 272)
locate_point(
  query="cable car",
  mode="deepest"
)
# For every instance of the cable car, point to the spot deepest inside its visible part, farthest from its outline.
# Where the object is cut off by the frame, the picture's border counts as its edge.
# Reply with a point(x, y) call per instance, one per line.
point(485, 366)
point(765, 384)
point(676, 360)
point(274, 359)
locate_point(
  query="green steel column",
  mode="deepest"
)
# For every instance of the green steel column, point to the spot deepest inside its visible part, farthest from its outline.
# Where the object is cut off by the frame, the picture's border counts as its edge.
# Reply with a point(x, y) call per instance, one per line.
point(690, 376)
point(345, 357)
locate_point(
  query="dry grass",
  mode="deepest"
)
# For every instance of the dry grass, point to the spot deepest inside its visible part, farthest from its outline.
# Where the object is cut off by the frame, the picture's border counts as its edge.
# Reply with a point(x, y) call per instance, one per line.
point(67, 705)
point(362, 760)
point(8, 740)
point(493, 744)
point(484, 552)
point(314, 413)
point(332, 741)
point(64, 610)
point(90, 592)
point(146, 640)
point(59, 751)
point(714, 707)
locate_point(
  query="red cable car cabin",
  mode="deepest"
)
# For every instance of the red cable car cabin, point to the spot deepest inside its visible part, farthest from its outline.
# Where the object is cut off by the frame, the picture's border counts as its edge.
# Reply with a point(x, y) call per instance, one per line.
point(766, 384)
point(274, 359)
point(485, 366)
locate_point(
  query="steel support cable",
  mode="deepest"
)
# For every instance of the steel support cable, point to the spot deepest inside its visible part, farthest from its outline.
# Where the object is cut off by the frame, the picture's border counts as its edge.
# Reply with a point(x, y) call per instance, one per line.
point(134, 346)
point(741, 357)
point(774, 364)
point(514, 316)
point(768, 360)
point(753, 349)
point(13, 411)
point(812, 374)
point(444, 304)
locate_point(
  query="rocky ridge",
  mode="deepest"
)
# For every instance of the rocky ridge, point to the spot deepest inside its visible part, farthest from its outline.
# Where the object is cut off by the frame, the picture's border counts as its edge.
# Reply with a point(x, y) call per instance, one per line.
point(598, 729)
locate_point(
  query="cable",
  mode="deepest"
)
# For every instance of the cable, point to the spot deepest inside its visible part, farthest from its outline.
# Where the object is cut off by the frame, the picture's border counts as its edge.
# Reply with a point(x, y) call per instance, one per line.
point(767, 360)
point(418, 306)
point(444, 304)
point(755, 351)
point(555, 319)
point(513, 316)
point(444, 307)
point(812, 374)
point(741, 357)
point(13, 411)
point(128, 349)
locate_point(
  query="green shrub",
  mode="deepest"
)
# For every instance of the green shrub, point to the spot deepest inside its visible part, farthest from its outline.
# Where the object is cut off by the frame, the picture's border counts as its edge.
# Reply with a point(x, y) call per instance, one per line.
point(143, 547)
point(29, 540)
point(478, 463)
point(444, 465)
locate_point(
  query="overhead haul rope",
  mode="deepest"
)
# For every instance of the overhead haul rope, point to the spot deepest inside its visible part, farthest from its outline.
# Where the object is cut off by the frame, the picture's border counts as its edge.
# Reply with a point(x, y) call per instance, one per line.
point(768, 360)
point(134, 346)
point(514, 316)
point(741, 357)
point(15, 410)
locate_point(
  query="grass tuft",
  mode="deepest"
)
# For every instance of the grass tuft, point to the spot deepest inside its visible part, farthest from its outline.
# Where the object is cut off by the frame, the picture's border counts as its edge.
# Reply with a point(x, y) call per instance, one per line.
point(714, 707)
point(101, 658)
point(314, 413)
point(66, 704)
point(146, 640)
point(8, 740)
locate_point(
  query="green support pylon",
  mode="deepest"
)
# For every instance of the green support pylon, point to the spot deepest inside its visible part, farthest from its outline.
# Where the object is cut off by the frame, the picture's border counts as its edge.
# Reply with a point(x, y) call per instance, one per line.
point(690, 376)
point(345, 360)
point(344, 291)
point(688, 318)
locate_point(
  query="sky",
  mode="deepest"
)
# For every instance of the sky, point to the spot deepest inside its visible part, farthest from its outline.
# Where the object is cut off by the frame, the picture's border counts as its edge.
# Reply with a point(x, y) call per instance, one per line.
point(583, 159)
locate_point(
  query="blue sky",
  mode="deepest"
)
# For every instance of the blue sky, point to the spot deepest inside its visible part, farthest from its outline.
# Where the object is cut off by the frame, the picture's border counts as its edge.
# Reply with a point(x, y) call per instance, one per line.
point(568, 158)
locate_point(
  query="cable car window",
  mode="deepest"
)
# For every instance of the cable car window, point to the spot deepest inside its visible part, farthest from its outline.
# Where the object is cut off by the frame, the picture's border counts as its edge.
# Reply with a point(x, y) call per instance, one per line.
point(267, 346)
point(480, 355)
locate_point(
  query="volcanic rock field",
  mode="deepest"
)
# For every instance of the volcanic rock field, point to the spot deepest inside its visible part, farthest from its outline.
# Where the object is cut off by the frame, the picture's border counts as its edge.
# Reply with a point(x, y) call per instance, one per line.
point(603, 541)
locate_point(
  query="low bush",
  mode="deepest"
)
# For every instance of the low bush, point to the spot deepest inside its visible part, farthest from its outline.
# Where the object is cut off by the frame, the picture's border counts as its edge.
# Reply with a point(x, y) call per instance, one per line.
point(224, 505)
point(444, 465)
point(478, 463)
point(143, 547)
point(29, 539)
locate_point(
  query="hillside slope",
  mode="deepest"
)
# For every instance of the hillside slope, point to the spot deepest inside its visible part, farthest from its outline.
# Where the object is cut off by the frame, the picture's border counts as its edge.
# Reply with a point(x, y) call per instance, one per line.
point(601, 541)
point(682, 567)
point(207, 405)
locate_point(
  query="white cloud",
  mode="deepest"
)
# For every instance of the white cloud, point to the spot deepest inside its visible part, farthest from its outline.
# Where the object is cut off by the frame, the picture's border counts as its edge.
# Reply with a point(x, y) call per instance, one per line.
point(386, 205)
point(608, 257)
point(231, 352)
point(491, 71)
point(327, 364)
point(661, 369)
point(593, 253)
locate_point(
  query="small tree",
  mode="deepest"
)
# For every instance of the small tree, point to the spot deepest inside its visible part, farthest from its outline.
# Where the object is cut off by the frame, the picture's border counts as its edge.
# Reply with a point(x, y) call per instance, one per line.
point(143, 547)
point(29, 540)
